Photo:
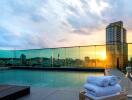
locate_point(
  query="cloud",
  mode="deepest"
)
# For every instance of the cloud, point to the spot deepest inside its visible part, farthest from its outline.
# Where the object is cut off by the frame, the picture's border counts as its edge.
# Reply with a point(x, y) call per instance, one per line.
point(47, 23)
point(62, 40)
point(82, 31)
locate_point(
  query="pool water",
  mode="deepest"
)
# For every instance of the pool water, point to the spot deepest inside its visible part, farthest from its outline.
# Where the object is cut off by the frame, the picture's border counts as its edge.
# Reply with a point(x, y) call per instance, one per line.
point(37, 78)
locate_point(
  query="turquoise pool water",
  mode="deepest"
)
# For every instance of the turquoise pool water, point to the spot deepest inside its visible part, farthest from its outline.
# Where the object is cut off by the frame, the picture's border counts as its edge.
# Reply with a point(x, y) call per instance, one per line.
point(52, 79)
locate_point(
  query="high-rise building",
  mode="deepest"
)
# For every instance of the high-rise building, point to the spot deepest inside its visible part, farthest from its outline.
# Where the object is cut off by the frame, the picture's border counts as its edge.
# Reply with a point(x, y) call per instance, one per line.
point(116, 45)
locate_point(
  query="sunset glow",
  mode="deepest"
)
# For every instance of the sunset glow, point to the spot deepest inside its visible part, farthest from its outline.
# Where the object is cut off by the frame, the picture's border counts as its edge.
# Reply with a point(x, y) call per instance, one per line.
point(103, 55)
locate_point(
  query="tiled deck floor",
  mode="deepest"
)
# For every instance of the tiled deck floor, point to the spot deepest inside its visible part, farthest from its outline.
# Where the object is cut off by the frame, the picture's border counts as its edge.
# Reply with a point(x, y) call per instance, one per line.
point(52, 94)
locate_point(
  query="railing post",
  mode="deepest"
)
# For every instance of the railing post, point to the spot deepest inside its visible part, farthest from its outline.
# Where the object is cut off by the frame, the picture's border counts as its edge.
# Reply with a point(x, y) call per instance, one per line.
point(95, 54)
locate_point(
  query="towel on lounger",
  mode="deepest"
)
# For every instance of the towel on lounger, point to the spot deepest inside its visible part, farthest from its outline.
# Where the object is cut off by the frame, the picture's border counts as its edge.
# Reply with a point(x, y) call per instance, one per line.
point(100, 98)
point(102, 91)
point(102, 81)
point(98, 80)
point(112, 80)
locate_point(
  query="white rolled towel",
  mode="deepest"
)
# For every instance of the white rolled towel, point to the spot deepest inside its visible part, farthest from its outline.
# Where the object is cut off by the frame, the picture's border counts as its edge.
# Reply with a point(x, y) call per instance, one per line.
point(102, 81)
point(112, 80)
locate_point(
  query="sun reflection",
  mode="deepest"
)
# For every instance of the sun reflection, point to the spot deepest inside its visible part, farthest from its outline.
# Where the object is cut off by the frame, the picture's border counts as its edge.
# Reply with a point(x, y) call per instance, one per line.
point(103, 55)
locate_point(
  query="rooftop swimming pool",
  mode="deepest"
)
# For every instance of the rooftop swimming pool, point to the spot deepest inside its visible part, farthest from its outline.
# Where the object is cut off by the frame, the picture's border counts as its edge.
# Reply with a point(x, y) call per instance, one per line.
point(38, 78)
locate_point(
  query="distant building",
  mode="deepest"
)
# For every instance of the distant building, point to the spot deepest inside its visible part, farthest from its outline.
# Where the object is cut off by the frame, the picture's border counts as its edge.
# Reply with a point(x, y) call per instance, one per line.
point(116, 45)
point(87, 59)
point(23, 59)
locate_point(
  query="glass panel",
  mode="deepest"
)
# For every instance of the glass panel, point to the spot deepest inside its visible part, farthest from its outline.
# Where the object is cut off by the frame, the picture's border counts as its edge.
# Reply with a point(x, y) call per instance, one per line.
point(100, 56)
point(35, 58)
point(110, 53)
point(46, 57)
point(59, 57)
point(6, 58)
point(21, 58)
point(72, 57)
point(114, 55)
point(88, 56)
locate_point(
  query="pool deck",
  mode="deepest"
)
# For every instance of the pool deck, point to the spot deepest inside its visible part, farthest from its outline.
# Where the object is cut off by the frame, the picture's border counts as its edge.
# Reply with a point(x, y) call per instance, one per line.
point(12, 92)
point(125, 83)
point(53, 94)
point(69, 93)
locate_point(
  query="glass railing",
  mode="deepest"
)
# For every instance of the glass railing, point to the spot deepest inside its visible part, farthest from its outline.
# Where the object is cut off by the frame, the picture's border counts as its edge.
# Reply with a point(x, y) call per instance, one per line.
point(94, 56)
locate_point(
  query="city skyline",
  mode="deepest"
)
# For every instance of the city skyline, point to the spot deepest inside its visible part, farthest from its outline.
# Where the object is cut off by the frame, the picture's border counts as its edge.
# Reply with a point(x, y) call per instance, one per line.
point(45, 24)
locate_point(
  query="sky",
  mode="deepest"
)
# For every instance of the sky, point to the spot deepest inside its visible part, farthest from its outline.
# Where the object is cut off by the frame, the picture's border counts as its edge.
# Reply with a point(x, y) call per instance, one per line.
point(34, 24)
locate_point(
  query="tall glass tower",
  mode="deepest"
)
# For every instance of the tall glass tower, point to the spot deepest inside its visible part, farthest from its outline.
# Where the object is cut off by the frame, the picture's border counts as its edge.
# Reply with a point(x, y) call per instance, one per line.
point(116, 45)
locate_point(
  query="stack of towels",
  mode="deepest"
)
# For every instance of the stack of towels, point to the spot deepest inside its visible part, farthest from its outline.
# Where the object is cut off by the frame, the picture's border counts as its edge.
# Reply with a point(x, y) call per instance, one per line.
point(102, 86)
